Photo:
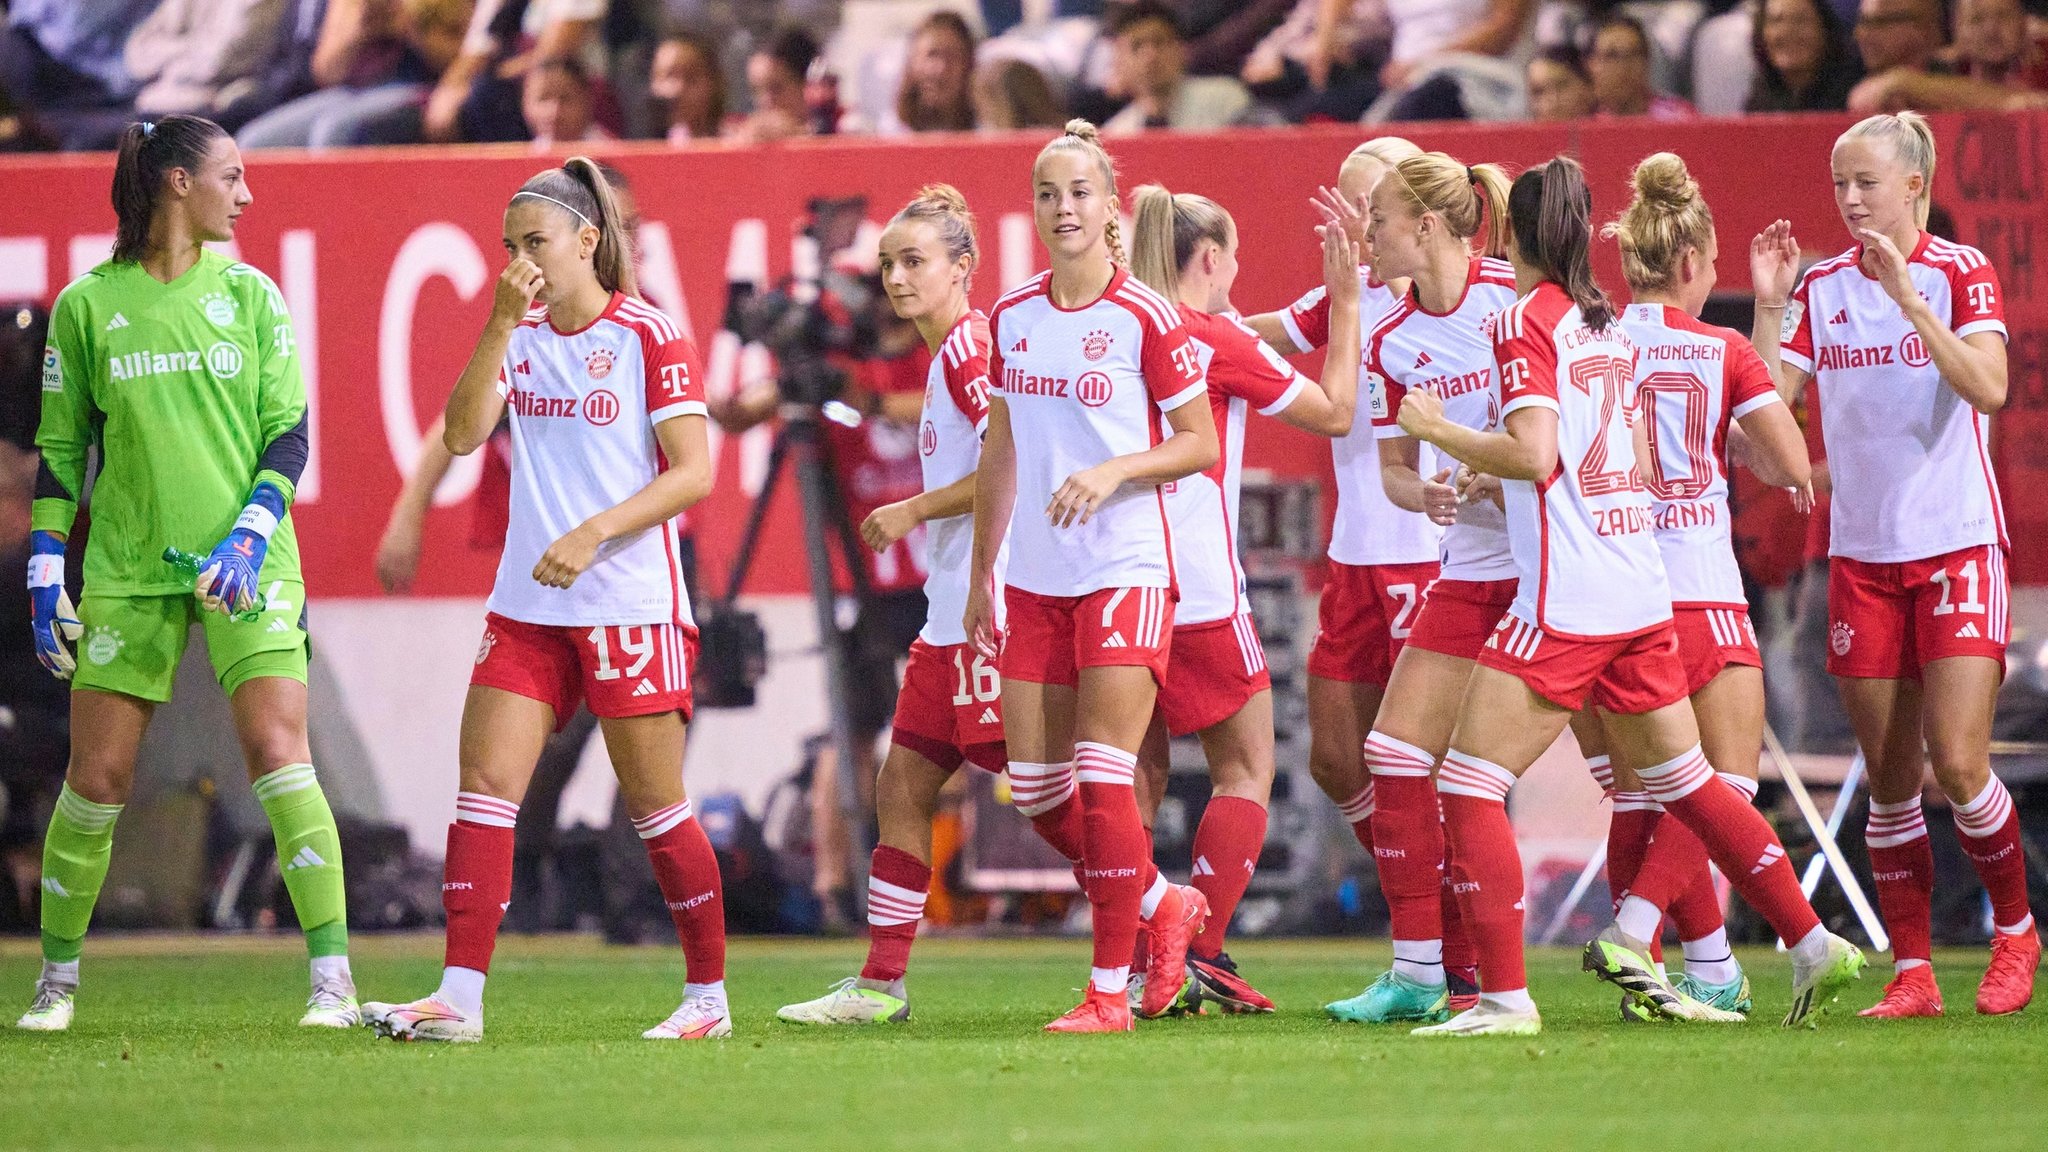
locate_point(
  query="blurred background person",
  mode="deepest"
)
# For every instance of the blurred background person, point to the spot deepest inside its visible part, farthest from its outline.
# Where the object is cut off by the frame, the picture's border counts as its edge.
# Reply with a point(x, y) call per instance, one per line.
point(1619, 65)
point(1560, 88)
point(62, 62)
point(688, 85)
point(1323, 61)
point(1151, 66)
point(936, 94)
point(1010, 94)
point(1804, 59)
point(775, 82)
point(1992, 65)
point(555, 99)
point(375, 63)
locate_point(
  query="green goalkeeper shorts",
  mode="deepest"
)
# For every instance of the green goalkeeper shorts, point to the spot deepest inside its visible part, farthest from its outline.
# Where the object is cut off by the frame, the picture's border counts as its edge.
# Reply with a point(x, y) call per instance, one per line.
point(132, 644)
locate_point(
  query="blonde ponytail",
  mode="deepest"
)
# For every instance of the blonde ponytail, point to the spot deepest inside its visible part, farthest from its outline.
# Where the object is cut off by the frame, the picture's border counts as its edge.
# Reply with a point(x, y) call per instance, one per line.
point(1912, 141)
point(1466, 199)
point(581, 189)
point(1170, 227)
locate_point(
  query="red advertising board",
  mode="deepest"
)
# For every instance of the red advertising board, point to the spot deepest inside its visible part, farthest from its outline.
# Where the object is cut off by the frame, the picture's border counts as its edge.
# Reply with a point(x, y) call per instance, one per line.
point(387, 258)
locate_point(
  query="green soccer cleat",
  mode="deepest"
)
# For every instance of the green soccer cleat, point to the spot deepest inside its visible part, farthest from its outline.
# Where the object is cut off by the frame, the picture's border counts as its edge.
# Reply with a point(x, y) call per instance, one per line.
point(1814, 988)
point(51, 1011)
point(1730, 997)
point(1486, 1020)
point(1622, 960)
point(851, 1001)
point(1392, 998)
point(332, 1005)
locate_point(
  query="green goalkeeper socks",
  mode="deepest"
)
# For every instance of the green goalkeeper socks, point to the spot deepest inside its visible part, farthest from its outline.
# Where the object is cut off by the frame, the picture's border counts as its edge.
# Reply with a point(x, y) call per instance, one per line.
point(75, 854)
point(309, 855)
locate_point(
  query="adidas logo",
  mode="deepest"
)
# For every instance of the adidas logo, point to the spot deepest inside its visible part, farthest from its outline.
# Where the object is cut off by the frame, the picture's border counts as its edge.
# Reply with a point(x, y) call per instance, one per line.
point(1022, 345)
point(1969, 632)
point(646, 688)
point(1203, 867)
point(306, 858)
point(1422, 360)
point(119, 321)
point(523, 368)
point(51, 886)
point(1841, 317)
point(1772, 854)
point(988, 716)
point(1116, 640)
point(278, 625)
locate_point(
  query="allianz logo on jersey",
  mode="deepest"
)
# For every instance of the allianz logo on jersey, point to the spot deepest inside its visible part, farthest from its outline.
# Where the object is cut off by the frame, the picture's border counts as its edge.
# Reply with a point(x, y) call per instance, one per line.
point(1910, 351)
point(1448, 386)
point(601, 407)
point(1093, 388)
point(223, 361)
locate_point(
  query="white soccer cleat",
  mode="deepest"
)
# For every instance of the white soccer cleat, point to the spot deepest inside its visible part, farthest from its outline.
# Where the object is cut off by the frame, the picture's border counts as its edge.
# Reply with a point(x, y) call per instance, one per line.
point(850, 1003)
point(430, 1018)
point(698, 1018)
point(1816, 985)
point(51, 1011)
point(1486, 1020)
point(332, 1005)
point(1135, 990)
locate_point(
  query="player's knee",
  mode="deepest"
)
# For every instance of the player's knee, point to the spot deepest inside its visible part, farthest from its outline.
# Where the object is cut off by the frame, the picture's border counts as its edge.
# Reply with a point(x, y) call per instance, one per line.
point(1333, 772)
point(99, 777)
point(1960, 773)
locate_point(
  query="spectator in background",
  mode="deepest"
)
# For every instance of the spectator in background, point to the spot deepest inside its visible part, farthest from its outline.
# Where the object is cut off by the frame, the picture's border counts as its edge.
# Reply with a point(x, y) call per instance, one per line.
point(1151, 65)
point(775, 80)
point(688, 83)
point(479, 96)
point(375, 63)
point(937, 90)
point(1993, 65)
point(1011, 95)
point(62, 62)
point(1560, 88)
point(206, 58)
point(1804, 62)
point(1620, 67)
point(555, 99)
point(1895, 34)
point(1323, 61)
point(1221, 35)
point(1454, 59)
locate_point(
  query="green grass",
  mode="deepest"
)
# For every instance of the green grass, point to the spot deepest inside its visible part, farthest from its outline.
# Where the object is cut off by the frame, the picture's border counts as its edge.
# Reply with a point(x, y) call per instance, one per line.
point(185, 1043)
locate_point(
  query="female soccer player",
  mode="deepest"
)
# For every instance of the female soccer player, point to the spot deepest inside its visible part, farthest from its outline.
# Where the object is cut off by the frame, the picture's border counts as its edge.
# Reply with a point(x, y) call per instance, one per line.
point(179, 365)
point(1694, 382)
point(1906, 336)
point(1080, 357)
point(1217, 684)
point(608, 448)
point(950, 708)
point(1591, 619)
point(1424, 215)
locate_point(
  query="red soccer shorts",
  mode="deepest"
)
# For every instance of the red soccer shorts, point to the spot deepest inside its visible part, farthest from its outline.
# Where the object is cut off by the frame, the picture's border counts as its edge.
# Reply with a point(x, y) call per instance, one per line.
point(1712, 638)
point(1630, 675)
point(950, 707)
point(1886, 621)
point(1049, 639)
point(622, 669)
point(1364, 618)
point(1216, 668)
point(1458, 616)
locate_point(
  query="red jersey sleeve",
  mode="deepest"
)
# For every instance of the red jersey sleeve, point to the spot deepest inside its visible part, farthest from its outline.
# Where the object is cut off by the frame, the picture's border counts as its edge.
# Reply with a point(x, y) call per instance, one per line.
point(1795, 331)
point(675, 377)
point(967, 372)
point(1173, 370)
point(1245, 368)
point(1525, 357)
point(1747, 383)
point(1976, 303)
point(1307, 320)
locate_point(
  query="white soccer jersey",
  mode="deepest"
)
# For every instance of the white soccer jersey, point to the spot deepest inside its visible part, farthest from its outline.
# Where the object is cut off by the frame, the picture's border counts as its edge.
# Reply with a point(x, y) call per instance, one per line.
point(1584, 548)
point(1369, 528)
point(1911, 459)
point(582, 407)
point(1243, 374)
point(1081, 386)
point(949, 447)
point(1692, 379)
point(1451, 355)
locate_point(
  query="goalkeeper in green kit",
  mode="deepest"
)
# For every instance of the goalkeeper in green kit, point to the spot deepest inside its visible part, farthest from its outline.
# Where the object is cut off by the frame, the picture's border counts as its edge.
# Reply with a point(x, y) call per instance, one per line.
point(179, 366)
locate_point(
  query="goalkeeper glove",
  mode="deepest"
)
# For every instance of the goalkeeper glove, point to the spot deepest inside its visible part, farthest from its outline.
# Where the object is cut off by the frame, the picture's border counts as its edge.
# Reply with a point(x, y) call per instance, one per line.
point(227, 581)
point(51, 615)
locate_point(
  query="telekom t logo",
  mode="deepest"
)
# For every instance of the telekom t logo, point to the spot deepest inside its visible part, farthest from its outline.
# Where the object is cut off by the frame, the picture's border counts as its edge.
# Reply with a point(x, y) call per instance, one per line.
point(1187, 362)
point(674, 379)
point(1982, 298)
point(1514, 375)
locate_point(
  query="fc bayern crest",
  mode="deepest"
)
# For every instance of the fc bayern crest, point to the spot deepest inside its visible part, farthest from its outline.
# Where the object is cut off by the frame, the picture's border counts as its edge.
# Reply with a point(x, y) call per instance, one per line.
point(1095, 345)
point(1840, 637)
point(599, 364)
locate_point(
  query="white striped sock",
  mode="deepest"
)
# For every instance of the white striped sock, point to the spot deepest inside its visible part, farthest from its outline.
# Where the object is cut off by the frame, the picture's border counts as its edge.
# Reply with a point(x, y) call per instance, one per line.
point(661, 820)
point(489, 811)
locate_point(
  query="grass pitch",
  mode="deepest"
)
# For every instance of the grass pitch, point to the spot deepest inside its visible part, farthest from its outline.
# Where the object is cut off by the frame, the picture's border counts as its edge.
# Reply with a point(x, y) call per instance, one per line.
point(189, 1043)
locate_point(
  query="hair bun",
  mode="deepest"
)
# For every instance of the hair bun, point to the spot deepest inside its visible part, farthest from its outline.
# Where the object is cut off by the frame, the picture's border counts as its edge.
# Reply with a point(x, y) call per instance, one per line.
point(945, 196)
point(1084, 129)
point(1662, 182)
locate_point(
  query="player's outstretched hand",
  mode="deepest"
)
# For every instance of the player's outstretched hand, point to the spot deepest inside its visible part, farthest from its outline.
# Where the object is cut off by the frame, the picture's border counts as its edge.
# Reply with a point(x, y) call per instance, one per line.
point(1340, 266)
point(569, 557)
point(887, 524)
point(1077, 499)
point(1774, 264)
point(517, 287)
point(227, 582)
point(51, 615)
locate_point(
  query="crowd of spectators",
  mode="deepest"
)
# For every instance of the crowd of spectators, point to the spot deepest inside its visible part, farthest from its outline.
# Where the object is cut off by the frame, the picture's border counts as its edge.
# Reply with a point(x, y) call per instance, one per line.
point(329, 73)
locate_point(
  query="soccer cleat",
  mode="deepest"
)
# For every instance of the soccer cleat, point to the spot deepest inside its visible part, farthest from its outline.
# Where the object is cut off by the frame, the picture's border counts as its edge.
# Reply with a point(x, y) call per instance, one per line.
point(51, 1010)
point(1730, 997)
point(332, 1005)
point(1486, 1020)
point(429, 1018)
point(1181, 914)
point(1911, 993)
point(1622, 960)
point(1633, 1011)
point(1814, 988)
point(1216, 979)
point(697, 1018)
point(1098, 1011)
point(850, 1002)
point(1134, 992)
point(1463, 984)
point(2009, 981)
point(1394, 997)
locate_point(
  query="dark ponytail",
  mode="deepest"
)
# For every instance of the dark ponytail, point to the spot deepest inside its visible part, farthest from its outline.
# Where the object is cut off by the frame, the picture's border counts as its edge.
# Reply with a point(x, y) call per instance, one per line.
point(149, 150)
point(581, 187)
point(1551, 211)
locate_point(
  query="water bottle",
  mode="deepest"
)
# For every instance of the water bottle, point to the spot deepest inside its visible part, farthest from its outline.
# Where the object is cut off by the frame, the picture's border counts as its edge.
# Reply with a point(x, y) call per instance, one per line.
point(190, 564)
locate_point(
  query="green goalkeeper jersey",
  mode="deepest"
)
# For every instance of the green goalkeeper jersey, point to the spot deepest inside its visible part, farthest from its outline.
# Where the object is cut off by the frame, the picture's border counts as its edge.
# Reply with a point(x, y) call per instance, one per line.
point(181, 387)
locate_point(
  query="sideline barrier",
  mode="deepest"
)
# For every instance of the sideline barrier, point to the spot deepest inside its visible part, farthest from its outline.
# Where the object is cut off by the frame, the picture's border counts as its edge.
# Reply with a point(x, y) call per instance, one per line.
point(388, 257)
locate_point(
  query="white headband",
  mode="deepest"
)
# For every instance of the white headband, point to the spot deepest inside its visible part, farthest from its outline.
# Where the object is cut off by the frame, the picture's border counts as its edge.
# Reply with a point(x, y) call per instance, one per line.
point(557, 203)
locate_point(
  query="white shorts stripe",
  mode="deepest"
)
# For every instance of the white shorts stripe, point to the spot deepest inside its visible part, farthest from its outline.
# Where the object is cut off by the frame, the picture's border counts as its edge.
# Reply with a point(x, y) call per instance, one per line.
point(1110, 606)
